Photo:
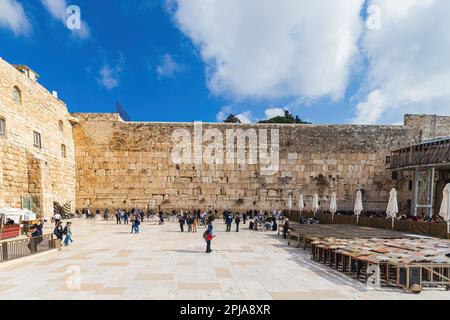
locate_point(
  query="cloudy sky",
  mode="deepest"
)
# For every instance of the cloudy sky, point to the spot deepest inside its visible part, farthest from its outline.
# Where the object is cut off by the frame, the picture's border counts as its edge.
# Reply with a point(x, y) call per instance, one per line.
point(347, 61)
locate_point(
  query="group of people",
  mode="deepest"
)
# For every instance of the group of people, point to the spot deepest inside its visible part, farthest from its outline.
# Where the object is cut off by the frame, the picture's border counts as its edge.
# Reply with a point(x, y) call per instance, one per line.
point(228, 218)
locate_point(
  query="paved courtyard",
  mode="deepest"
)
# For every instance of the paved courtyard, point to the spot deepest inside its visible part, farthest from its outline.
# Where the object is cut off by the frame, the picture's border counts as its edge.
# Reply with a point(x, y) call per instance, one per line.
point(163, 263)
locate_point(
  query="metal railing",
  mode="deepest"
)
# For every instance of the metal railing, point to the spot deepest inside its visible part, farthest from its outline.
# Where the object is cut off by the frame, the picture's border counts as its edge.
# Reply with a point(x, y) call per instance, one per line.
point(429, 153)
point(14, 249)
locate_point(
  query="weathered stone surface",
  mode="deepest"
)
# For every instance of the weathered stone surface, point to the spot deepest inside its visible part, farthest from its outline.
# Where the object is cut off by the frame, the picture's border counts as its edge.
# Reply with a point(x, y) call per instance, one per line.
point(26, 170)
point(313, 158)
point(112, 163)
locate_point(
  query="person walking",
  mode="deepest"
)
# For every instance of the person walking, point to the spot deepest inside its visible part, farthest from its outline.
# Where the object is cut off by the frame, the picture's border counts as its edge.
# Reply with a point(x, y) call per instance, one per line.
point(57, 218)
point(237, 221)
point(58, 231)
point(208, 235)
point(68, 233)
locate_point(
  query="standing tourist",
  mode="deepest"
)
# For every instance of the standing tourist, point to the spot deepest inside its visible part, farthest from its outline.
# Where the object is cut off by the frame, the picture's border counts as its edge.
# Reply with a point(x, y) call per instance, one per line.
point(106, 215)
point(208, 235)
point(244, 217)
point(228, 221)
point(125, 217)
point(194, 224)
point(189, 221)
point(237, 221)
point(68, 232)
point(118, 218)
point(285, 228)
point(182, 221)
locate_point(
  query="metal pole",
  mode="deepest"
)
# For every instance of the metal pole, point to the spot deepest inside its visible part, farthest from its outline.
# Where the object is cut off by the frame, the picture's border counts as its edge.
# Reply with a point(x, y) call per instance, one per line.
point(432, 172)
point(415, 193)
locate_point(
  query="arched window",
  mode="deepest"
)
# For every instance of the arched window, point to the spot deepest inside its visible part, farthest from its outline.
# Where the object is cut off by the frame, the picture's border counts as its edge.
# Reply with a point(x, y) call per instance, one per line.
point(17, 95)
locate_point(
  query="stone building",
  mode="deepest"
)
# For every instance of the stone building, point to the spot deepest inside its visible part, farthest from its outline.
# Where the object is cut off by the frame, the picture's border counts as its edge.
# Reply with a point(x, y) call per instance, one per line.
point(37, 157)
point(108, 162)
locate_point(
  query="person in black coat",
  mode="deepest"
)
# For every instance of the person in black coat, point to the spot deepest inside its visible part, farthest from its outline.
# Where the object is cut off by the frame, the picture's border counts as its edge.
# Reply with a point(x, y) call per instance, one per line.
point(237, 220)
point(182, 221)
point(58, 232)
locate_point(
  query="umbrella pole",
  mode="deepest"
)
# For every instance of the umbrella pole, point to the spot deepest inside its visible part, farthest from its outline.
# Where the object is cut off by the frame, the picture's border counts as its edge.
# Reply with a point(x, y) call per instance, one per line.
point(448, 228)
point(357, 219)
point(393, 223)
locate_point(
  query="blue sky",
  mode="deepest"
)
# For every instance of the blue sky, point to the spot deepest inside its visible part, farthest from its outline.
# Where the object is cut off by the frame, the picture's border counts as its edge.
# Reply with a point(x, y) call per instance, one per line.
point(188, 60)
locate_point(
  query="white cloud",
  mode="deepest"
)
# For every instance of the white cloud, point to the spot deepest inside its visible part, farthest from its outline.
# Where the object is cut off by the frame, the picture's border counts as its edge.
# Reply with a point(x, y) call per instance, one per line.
point(268, 49)
point(13, 17)
point(274, 112)
point(368, 112)
point(409, 65)
point(57, 9)
point(245, 117)
point(110, 76)
point(223, 113)
point(168, 67)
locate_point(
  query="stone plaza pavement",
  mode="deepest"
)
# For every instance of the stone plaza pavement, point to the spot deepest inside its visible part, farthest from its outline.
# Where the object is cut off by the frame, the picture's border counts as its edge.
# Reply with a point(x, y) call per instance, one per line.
point(163, 263)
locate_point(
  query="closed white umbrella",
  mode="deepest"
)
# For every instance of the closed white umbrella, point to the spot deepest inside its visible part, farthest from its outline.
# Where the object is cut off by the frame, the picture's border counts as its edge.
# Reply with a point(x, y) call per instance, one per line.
point(301, 204)
point(315, 204)
point(358, 205)
point(290, 202)
point(392, 208)
point(290, 205)
point(444, 212)
point(333, 205)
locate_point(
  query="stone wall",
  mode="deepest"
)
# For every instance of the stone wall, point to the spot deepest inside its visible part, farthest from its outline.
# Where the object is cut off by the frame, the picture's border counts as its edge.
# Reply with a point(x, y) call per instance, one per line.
point(432, 126)
point(25, 170)
point(129, 164)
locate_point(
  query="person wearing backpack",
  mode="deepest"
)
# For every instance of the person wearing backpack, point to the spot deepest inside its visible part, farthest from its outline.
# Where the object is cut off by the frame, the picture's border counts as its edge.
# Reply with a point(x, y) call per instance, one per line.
point(68, 232)
point(208, 235)
point(58, 232)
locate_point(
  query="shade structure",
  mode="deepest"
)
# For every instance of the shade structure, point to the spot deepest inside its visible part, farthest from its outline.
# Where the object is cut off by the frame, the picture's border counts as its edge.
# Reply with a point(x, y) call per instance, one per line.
point(290, 202)
point(444, 212)
point(392, 208)
point(358, 203)
point(333, 203)
point(301, 203)
point(315, 204)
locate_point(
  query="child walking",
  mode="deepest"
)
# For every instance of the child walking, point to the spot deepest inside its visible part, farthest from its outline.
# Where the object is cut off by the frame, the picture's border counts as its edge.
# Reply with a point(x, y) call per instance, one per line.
point(68, 232)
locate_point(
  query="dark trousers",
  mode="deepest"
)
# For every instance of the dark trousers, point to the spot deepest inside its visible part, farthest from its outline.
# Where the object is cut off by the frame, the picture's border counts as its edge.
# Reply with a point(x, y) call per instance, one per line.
point(208, 246)
point(228, 227)
point(118, 221)
point(182, 227)
point(285, 232)
point(237, 227)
